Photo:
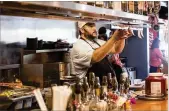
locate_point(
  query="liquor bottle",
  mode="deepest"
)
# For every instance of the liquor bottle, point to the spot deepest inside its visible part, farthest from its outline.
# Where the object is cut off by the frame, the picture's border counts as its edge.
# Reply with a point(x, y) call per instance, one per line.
point(124, 6)
point(136, 7)
point(117, 5)
point(140, 7)
point(99, 3)
point(91, 84)
point(115, 84)
point(110, 85)
point(78, 90)
point(110, 4)
point(150, 7)
point(97, 104)
point(104, 88)
point(122, 82)
point(127, 85)
point(85, 90)
point(145, 7)
point(131, 6)
point(92, 3)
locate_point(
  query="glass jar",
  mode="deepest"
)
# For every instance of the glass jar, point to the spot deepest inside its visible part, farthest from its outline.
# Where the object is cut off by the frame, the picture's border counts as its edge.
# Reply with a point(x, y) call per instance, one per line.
point(155, 84)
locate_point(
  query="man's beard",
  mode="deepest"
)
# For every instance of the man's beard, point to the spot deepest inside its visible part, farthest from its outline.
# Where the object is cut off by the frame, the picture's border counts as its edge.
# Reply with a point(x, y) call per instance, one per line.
point(89, 36)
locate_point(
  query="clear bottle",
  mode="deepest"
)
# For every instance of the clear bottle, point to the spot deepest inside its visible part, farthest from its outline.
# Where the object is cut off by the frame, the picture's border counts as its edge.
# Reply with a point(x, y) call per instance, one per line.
point(140, 7)
point(110, 85)
point(131, 6)
point(115, 84)
point(85, 90)
point(110, 4)
point(136, 7)
point(145, 7)
point(127, 85)
point(80, 106)
point(92, 3)
point(99, 3)
point(91, 85)
point(104, 88)
point(97, 104)
point(124, 6)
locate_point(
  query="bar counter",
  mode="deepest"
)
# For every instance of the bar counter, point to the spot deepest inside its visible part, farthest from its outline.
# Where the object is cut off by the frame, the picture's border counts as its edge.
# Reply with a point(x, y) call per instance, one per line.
point(143, 105)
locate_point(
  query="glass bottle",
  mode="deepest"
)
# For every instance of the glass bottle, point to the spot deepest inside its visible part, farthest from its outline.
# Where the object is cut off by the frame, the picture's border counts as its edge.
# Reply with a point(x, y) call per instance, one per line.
point(85, 90)
point(91, 84)
point(140, 7)
point(145, 7)
point(131, 6)
point(127, 85)
point(115, 84)
point(110, 85)
point(150, 7)
point(124, 6)
point(110, 4)
point(99, 3)
point(104, 88)
point(136, 7)
point(97, 104)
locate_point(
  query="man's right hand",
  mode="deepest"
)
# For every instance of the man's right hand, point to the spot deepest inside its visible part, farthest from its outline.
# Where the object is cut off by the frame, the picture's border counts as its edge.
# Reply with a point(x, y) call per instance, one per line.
point(121, 34)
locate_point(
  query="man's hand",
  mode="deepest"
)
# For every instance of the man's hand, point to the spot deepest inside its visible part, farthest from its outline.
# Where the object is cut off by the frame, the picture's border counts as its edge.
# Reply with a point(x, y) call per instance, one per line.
point(121, 34)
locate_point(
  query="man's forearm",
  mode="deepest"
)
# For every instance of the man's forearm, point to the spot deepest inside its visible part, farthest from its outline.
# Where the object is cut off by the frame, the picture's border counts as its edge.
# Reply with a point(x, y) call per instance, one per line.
point(101, 52)
point(118, 46)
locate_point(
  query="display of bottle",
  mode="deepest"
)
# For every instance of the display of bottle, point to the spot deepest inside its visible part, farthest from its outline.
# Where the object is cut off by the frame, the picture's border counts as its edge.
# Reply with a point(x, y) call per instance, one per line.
point(92, 3)
point(79, 105)
point(104, 88)
point(85, 90)
point(99, 3)
point(97, 104)
point(110, 85)
point(110, 4)
point(140, 7)
point(115, 84)
point(127, 85)
point(121, 86)
point(145, 7)
point(136, 7)
point(131, 6)
point(91, 84)
point(124, 6)
point(117, 5)
point(157, 7)
point(150, 7)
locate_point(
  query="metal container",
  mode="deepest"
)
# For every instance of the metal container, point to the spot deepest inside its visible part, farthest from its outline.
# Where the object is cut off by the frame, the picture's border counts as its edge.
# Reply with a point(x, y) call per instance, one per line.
point(64, 69)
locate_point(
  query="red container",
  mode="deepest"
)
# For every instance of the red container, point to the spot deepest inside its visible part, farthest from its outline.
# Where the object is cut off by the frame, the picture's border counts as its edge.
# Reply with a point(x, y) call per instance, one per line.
point(155, 84)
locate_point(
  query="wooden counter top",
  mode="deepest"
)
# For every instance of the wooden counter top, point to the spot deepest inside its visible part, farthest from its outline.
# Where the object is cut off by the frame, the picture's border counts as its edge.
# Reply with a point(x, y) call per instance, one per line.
point(143, 105)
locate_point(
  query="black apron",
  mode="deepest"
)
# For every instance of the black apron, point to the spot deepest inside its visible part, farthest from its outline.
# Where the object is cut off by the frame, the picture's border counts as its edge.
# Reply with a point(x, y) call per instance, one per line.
point(101, 68)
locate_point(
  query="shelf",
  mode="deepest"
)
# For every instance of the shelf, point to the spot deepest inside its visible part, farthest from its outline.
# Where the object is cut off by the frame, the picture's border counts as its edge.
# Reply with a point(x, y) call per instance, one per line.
point(71, 11)
point(46, 50)
point(12, 66)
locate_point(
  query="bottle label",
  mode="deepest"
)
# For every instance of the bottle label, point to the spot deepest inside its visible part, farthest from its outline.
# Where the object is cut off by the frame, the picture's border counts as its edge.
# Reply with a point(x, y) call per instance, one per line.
point(155, 87)
point(97, 92)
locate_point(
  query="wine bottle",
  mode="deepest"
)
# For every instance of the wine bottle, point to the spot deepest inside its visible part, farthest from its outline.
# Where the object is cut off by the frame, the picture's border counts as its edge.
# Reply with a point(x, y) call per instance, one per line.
point(91, 84)
point(131, 6)
point(85, 90)
point(124, 6)
point(136, 7)
point(110, 85)
point(104, 88)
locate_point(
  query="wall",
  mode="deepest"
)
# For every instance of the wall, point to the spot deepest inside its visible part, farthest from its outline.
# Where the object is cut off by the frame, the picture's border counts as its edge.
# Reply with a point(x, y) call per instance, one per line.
point(137, 52)
point(17, 29)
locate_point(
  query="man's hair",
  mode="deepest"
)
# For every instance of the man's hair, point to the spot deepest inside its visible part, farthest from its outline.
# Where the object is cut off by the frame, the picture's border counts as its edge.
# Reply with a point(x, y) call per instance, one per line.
point(102, 30)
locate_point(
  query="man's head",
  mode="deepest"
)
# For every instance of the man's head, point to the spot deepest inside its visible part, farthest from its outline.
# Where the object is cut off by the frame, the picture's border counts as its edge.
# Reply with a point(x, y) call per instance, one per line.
point(87, 29)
